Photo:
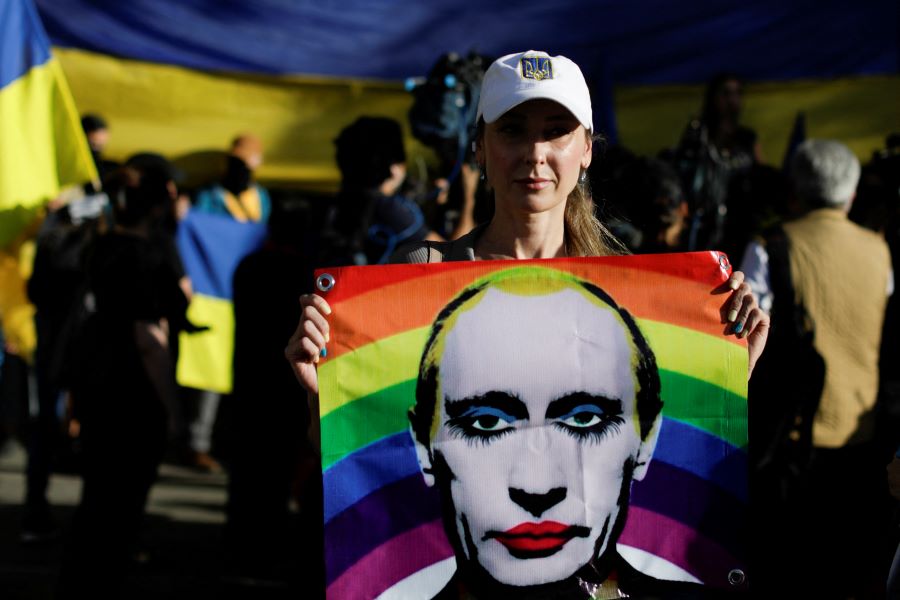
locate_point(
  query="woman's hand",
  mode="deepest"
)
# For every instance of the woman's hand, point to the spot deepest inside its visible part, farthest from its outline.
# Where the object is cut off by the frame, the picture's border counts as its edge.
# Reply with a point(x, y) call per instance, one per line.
point(745, 318)
point(308, 342)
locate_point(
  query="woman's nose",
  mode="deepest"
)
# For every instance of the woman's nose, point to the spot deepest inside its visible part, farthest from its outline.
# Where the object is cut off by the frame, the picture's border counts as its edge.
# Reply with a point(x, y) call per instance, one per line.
point(536, 152)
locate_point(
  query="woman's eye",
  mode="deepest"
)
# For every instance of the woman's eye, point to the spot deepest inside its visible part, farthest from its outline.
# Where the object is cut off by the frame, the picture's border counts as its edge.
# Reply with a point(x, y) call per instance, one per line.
point(556, 132)
point(582, 419)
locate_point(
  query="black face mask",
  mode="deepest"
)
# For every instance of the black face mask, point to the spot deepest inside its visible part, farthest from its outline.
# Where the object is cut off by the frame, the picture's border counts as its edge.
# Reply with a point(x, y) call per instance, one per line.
point(237, 176)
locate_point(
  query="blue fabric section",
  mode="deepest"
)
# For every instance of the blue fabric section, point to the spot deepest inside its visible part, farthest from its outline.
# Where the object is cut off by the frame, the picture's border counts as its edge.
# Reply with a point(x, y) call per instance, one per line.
point(704, 455)
point(211, 246)
point(350, 480)
point(394, 458)
point(23, 43)
point(654, 41)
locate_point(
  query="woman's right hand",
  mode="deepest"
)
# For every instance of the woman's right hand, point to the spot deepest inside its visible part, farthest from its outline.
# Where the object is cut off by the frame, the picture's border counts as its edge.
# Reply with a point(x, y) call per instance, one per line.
point(308, 342)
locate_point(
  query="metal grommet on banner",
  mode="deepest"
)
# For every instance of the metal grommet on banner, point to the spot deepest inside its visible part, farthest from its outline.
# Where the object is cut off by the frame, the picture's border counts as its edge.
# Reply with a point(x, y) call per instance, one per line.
point(324, 282)
point(723, 262)
point(736, 577)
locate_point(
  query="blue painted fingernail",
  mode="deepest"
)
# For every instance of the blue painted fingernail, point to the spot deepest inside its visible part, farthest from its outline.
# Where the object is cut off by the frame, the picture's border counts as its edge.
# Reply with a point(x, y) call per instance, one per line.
point(323, 352)
point(738, 327)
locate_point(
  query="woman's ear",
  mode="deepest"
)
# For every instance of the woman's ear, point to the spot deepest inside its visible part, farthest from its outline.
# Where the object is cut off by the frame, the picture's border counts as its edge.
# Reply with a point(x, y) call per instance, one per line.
point(588, 151)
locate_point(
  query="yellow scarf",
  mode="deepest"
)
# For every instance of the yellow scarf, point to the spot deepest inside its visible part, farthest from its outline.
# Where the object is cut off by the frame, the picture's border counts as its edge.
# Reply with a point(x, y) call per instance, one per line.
point(246, 207)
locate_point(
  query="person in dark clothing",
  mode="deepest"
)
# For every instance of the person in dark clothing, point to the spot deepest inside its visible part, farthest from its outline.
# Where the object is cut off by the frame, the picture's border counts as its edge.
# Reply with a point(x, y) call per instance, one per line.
point(266, 424)
point(56, 287)
point(97, 132)
point(122, 382)
point(370, 218)
point(713, 148)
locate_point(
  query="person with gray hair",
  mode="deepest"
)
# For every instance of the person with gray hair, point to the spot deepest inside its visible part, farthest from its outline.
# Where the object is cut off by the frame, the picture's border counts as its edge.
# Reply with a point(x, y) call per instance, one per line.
point(826, 281)
point(825, 173)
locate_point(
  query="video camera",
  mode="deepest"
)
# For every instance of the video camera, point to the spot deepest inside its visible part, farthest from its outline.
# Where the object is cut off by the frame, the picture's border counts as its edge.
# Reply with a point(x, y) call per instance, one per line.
point(445, 104)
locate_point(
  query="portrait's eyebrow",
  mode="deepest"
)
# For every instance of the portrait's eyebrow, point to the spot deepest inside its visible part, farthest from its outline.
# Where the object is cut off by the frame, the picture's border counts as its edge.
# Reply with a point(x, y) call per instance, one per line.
point(569, 402)
point(504, 401)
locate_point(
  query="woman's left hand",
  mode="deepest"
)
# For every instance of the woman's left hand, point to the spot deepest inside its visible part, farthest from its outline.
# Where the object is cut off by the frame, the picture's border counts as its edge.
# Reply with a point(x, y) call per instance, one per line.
point(745, 318)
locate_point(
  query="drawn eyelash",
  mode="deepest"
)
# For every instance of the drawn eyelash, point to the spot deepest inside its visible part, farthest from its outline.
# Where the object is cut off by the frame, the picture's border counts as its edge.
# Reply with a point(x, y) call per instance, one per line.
point(461, 428)
point(596, 433)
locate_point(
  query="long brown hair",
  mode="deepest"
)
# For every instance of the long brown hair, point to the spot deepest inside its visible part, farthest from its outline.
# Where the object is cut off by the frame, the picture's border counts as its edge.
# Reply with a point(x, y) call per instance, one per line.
point(585, 235)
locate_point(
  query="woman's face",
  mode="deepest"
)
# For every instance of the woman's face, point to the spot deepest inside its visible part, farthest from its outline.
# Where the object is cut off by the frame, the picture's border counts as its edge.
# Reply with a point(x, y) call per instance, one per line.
point(533, 156)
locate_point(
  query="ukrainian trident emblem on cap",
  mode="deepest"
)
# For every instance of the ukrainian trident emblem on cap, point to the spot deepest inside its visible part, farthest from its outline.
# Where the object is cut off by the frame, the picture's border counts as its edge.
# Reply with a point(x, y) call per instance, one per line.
point(537, 68)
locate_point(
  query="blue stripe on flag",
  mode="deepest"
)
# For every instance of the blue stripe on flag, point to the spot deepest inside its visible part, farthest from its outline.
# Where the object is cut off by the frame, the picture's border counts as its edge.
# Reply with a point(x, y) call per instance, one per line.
point(212, 246)
point(393, 458)
point(23, 42)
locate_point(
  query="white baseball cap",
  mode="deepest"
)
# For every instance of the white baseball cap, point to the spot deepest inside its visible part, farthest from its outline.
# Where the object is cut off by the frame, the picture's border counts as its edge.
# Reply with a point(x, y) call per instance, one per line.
point(517, 78)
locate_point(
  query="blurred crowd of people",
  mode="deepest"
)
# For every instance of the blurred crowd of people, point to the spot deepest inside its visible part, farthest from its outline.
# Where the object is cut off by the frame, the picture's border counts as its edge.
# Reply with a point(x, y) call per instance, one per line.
point(111, 295)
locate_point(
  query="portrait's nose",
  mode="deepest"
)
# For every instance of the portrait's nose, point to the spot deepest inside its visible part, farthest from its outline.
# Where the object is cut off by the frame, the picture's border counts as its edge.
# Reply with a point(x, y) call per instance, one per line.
point(537, 504)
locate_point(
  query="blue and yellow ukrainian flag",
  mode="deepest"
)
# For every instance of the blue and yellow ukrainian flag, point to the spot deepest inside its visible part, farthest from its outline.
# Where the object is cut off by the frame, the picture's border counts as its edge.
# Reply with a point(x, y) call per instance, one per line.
point(42, 150)
point(211, 248)
point(180, 78)
point(42, 145)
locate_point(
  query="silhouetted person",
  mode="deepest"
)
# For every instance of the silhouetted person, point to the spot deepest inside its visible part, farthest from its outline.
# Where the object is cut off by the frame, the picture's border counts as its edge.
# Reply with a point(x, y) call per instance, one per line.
point(268, 419)
point(122, 382)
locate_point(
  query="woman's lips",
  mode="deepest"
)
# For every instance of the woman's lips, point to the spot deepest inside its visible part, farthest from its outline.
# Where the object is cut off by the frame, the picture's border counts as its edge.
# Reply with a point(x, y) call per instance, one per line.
point(533, 183)
point(538, 537)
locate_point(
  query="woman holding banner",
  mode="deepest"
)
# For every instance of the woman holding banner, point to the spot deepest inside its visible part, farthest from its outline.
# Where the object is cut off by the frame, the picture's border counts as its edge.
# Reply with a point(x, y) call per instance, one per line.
point(534, 145)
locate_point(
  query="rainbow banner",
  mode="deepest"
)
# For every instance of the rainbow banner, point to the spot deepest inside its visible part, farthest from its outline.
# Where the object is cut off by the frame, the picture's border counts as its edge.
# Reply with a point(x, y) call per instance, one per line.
point(384, 533)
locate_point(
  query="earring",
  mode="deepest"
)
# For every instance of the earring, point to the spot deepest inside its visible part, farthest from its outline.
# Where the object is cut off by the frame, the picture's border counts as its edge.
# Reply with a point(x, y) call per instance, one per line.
point(482, 177)
point(582, 178)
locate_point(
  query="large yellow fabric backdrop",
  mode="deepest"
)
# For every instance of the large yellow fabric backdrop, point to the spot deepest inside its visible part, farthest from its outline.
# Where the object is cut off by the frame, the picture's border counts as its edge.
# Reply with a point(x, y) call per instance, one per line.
point(182, 112)
point(858, 111)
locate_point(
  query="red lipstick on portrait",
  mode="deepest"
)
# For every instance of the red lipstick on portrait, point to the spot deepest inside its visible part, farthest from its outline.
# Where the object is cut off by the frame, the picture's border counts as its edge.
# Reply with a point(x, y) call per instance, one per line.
point(537, 537)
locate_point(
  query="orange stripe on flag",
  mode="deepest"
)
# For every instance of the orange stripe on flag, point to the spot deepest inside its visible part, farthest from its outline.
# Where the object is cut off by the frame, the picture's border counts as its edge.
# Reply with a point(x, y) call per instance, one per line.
point(415, 301)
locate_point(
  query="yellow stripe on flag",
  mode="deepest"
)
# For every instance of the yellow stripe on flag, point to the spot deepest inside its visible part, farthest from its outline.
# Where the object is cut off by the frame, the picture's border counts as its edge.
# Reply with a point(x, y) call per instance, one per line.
point(365, 371)
point(205, 358)
point(42, 146)
point(189, 115)
point(859, 111)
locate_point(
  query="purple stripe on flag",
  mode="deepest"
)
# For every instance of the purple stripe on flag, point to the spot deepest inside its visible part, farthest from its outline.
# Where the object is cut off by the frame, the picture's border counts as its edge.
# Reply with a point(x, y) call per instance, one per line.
point(392, 562)
point(695, 502)
point(681, 545)
point(379, 517)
